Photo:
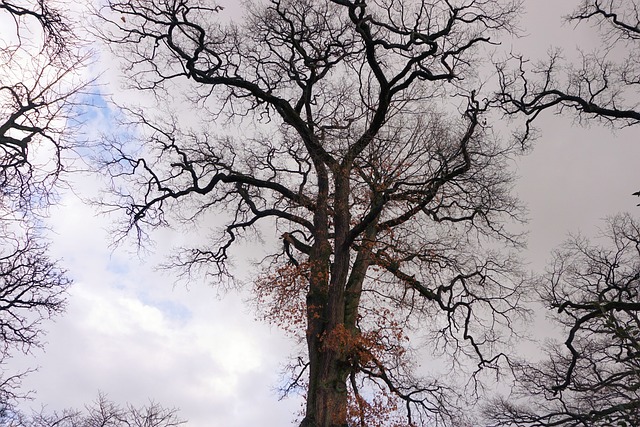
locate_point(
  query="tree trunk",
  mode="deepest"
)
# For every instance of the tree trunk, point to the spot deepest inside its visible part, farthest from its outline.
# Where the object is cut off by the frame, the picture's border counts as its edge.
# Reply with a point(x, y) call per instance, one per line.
point(327, 393)
point(329, 368)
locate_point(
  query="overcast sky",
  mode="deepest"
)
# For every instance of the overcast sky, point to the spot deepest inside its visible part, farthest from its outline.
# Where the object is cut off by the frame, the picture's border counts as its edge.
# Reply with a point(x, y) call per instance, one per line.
point(130, 333)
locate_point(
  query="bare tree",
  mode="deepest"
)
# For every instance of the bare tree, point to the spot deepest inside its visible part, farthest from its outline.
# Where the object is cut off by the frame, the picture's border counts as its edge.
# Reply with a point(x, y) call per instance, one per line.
point(594, 378)
point(604, 86)
point(36, 103)
point(38, 62)
point(31, 290)
point(101, 413)
point(357, 131)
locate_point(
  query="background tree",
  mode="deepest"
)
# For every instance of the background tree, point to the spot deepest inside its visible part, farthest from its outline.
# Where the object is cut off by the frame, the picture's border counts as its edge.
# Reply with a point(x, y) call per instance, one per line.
point(37, 66)
point(604, 85)
point(38, 62)
point(101, 413)
point(594, 378)
point(356, 131)
point(32, 290)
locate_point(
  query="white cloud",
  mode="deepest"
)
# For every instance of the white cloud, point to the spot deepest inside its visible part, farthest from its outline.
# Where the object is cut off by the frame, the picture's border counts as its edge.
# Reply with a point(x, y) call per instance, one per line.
point(129, 332)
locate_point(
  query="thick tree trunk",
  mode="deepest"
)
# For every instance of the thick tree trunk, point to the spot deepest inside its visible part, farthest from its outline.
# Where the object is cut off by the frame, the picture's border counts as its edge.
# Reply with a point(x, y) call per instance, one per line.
point(327, 397)
point(327, 393)
point(328, 367)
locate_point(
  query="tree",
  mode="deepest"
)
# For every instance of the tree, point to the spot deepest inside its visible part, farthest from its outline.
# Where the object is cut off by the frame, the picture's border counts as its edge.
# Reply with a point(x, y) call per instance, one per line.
point(594, 378)
point(32, 289)
point(101, 413)
point(38, 62)
point(603, 86)
point(36, 103)
point(358, 133)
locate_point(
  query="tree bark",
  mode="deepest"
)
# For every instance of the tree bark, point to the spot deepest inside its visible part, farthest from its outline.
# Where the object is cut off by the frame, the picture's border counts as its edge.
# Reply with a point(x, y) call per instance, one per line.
point(329, 367)
point(327, 395)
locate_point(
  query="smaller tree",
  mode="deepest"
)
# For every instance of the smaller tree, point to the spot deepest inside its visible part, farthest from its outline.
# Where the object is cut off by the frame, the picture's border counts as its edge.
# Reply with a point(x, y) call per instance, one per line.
point(594, 378)
point(31, 290)
point(101, 413)
point(604, 85)
point(37, 95)
point(39, 61)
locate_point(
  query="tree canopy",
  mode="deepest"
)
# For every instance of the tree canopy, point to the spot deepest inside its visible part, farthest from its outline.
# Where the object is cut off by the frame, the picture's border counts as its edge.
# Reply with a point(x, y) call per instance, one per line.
point(359, 130)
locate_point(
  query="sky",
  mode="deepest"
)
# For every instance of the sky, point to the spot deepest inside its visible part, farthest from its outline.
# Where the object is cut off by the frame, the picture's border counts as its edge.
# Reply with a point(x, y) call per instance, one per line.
point(134, 334)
